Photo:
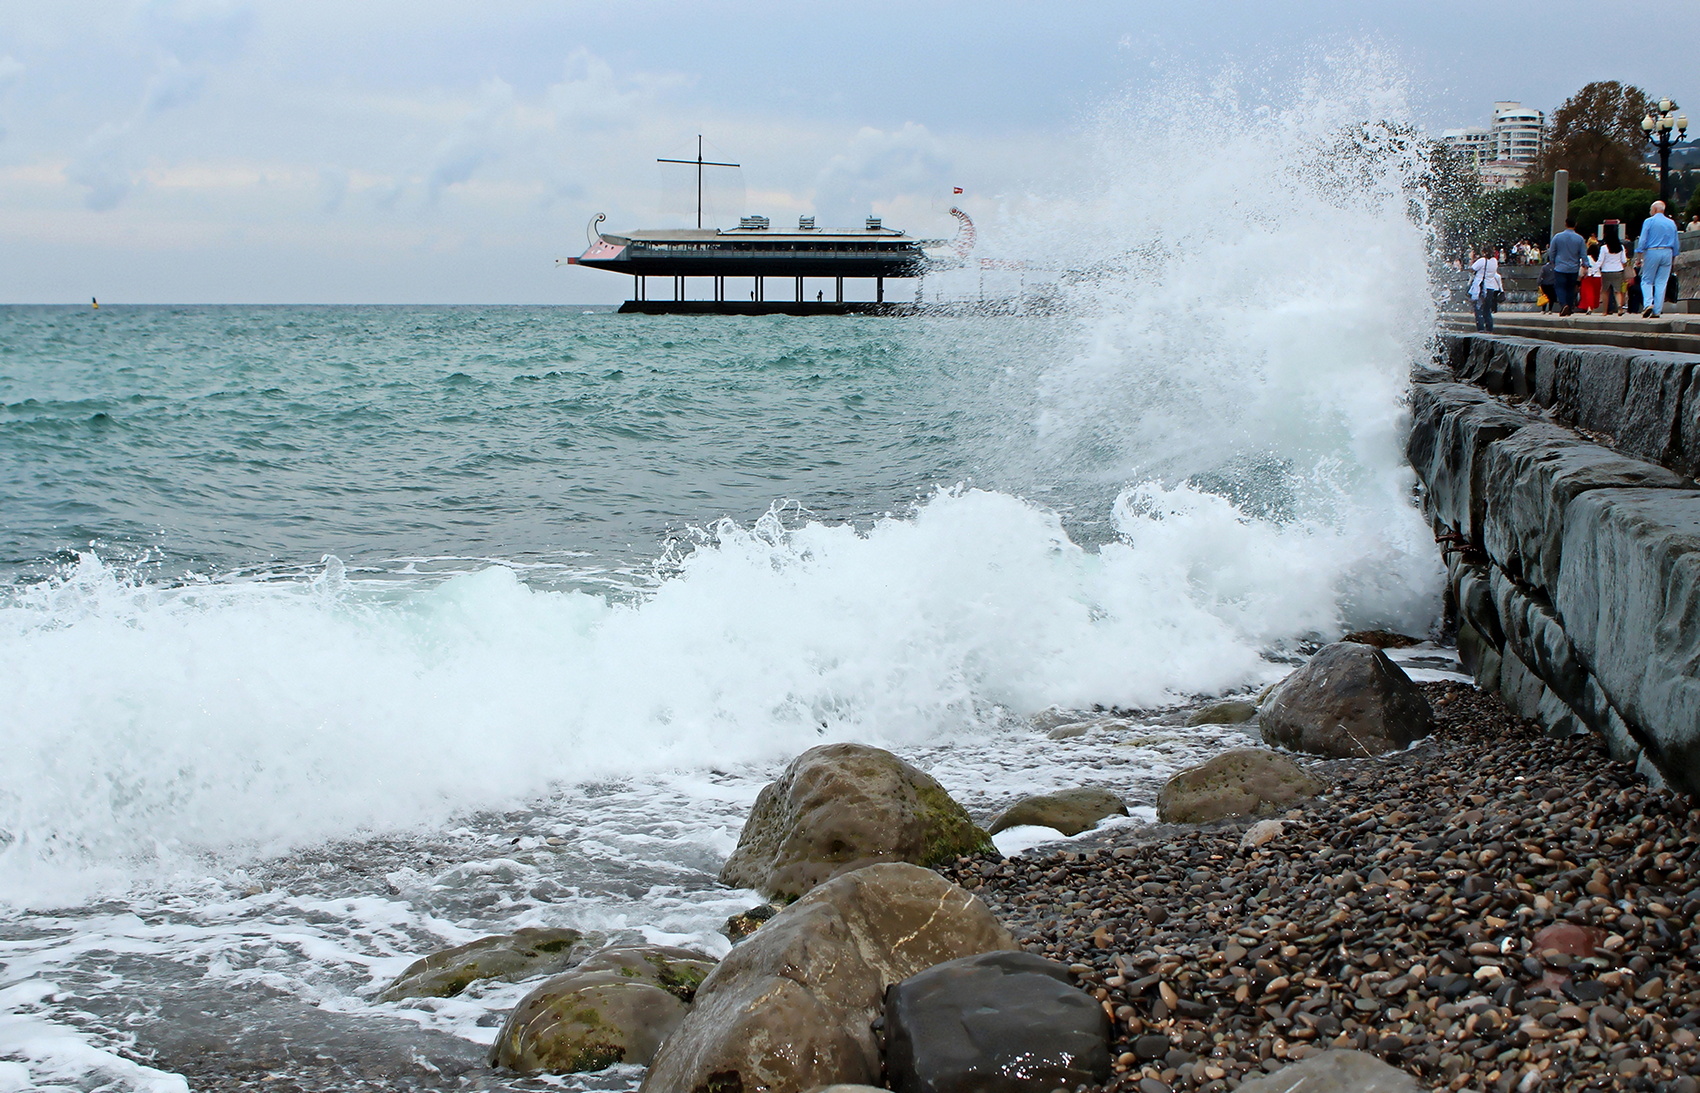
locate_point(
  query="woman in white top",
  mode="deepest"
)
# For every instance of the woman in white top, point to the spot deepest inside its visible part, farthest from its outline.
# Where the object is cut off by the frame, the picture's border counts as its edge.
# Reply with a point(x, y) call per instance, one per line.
point(1485, 288)
point(1611, 272)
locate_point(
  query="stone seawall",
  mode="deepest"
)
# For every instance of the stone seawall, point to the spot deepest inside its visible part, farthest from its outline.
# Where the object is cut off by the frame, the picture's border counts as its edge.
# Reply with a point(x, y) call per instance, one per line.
point(1558, 478)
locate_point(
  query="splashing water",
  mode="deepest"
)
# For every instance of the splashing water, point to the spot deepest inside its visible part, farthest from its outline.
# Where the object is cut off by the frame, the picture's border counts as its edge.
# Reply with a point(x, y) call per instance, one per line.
point(1196, 464)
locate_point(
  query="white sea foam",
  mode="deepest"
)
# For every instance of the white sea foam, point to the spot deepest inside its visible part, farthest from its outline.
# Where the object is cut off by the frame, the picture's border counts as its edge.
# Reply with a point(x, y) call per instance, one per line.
point(1226, 392)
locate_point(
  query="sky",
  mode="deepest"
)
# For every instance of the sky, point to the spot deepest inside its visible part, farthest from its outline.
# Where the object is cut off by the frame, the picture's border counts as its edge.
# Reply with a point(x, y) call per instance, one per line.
point(328, 151)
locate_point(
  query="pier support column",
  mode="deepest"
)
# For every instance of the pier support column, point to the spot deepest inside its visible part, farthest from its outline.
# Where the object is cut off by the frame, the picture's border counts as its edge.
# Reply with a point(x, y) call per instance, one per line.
point(879, 290)
point(840, 287)
point(679, 288)
point(720, 290)
point(799, 290)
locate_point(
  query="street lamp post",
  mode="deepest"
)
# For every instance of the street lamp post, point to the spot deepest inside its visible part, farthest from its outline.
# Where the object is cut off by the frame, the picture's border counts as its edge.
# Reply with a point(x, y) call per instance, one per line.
point(1658, 126)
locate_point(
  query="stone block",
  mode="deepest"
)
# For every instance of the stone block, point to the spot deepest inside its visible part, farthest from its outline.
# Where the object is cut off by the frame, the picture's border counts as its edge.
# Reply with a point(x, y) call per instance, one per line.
point(1686, 458)
point(1533, 633)
point(1629, 594)
point(1529, 479)
point(1475, 602)
point(1584, 384)
point(1653, 403)
point(1451, 426)
point(1519, 686)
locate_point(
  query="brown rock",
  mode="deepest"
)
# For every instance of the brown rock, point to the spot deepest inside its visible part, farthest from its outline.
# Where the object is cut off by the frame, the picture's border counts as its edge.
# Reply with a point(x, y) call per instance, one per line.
point(618, 1006)
point(1069, 811)
point(511, 957)
point(840, 807)
point(791, 1007)
point(1570, 939)
point(1348, 701)
point(1240, 782)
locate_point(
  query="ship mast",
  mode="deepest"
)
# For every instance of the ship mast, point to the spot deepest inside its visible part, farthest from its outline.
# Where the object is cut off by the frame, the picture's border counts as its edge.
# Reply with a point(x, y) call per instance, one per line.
point(700, 164)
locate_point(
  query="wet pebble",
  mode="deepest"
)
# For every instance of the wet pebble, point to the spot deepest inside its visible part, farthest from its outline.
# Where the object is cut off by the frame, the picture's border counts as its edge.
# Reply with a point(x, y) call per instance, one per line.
point(1494, 910)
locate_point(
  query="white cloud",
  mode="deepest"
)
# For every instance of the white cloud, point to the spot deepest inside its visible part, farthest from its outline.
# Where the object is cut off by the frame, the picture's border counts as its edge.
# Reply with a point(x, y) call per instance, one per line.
point(877, 167)
point(476, 140)
point(103, 168)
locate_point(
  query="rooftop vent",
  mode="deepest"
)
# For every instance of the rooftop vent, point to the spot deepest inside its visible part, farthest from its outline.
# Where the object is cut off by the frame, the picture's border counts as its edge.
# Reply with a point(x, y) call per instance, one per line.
point(805, 223)
point(759, 223)
point(873, 223)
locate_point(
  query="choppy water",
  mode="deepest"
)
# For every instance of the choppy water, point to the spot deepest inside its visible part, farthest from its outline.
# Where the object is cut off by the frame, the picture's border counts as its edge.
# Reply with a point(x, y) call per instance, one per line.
point(332, 636)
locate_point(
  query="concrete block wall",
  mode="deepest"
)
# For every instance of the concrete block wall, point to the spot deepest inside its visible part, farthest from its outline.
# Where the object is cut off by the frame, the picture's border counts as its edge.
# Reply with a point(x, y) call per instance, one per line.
point(1558, 478)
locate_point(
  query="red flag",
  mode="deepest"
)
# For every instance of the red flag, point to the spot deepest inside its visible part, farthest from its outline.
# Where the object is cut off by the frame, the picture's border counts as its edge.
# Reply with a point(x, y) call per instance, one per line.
point(957, 190)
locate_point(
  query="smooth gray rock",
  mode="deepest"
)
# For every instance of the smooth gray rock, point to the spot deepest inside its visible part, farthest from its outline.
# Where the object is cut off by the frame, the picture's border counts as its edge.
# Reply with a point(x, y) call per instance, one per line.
point(1531, 478)
point(1629, 594)
point(616, 1007)
point(840, 807)
point(1069, 811)
point(1504, 365)
point(1238, 782)
point(1520, 687)
point(792, 1006)
point(1349, 701)
point(1229, 711)
point(508, 957)
point(1006, 1022)
point(1341, 1070)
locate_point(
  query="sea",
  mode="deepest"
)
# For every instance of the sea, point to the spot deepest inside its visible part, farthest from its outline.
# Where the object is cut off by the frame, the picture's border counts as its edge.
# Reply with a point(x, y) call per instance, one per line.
point(334, 636)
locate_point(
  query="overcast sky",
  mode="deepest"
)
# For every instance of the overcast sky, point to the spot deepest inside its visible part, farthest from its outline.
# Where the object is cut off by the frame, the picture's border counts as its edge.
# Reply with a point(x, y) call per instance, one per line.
point(433, 152)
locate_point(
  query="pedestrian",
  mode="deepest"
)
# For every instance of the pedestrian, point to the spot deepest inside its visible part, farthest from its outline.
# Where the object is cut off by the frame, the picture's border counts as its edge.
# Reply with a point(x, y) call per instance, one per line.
point(1694, 223)
point(1588, 290)
point(1568, 253)
point(1485, 288)
point(1613, 256)
point(1548, 290)
point(1657, 248)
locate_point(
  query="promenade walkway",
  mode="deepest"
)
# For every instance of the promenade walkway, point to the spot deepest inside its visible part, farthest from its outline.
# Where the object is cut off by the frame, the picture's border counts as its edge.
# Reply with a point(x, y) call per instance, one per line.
point(1676, 332)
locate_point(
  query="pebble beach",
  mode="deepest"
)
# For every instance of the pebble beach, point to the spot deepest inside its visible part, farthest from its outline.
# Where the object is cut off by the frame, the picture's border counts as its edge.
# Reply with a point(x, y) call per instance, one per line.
point(1490, 909)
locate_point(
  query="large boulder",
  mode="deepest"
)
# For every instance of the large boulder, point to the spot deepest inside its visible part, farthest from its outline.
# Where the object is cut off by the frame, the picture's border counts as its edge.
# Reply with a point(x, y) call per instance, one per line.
point(1349, 701)
point(793, 1005)
point(1239, 782)
point(840, 807)
point(508, 957)
point(616, 1007)
point(1069, 811)
point(1005, 1022)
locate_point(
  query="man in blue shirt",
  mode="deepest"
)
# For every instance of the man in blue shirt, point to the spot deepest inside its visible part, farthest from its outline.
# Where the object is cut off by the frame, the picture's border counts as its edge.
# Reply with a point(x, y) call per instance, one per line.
point(1657, 247)
point(1567, 252)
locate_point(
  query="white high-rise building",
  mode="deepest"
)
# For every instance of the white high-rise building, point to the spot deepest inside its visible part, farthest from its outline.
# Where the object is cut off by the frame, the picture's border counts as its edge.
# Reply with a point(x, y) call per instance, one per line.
point(1519, 133)
point(1474, 146)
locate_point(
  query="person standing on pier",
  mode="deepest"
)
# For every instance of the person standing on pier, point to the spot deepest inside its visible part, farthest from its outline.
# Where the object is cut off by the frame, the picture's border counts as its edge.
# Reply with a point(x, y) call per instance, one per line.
point(1567, 253)
point(1485, 288)
point(1657, 247)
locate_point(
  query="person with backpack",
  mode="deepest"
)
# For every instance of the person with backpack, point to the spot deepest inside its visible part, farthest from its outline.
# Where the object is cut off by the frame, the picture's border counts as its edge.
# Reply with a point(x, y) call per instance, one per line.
point(1485, 288)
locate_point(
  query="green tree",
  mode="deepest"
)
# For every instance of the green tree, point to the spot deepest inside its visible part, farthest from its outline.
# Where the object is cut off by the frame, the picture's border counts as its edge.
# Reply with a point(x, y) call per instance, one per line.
point(1596, 136)
point(1627, 205)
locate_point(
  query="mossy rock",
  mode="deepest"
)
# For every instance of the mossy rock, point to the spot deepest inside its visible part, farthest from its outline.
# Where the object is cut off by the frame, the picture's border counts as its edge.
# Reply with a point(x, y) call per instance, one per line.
point(1240, 782)
point(1069, 811)
point(841, 807)
point(745, 923)
point(616, 1007)
point(508, 957)
point(1229, 711)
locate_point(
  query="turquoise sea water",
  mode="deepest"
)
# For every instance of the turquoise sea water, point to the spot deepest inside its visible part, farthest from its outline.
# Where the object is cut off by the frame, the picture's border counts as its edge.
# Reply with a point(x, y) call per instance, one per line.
point(331, 637)
point(231, 438)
